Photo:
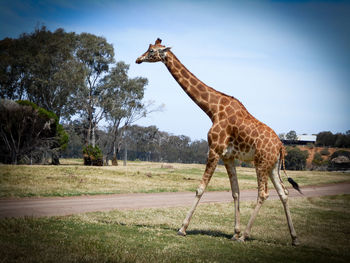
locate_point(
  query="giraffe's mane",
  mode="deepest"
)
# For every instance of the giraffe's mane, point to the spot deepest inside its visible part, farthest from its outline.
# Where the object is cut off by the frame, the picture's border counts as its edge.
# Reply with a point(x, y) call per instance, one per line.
point(219, 92)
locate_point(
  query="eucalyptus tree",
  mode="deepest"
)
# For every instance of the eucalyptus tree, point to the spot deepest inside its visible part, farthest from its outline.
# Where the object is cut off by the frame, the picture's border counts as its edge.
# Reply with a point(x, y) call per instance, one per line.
point(13, 75)
point(41, 67)
point(97, 56)
point(291, 135)
point(122, 103)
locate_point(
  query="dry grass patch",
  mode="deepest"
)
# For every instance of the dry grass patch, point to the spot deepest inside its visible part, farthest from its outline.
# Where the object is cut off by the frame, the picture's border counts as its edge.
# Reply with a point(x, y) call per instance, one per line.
point(72, 178)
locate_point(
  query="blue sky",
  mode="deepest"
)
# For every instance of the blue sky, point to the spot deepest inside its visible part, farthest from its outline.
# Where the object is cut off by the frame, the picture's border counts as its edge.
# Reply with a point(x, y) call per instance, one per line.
point(288, 62)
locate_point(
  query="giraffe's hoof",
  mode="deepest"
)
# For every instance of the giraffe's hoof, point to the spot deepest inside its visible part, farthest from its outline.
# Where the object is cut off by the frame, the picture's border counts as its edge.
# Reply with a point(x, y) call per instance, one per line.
point(295, 242)
point(238, 239)
point(180, 233)
point(241, 240)
point(235, 238)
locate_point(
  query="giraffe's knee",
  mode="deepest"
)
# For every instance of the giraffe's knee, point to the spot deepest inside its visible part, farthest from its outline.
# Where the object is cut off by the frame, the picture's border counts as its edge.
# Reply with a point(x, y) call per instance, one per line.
point(199, 192)
point(262, 197)
point(284, 194)
point(235, 196)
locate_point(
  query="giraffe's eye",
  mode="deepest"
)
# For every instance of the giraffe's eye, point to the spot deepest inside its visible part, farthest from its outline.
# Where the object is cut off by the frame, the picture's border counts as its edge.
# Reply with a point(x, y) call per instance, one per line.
point(151, 50)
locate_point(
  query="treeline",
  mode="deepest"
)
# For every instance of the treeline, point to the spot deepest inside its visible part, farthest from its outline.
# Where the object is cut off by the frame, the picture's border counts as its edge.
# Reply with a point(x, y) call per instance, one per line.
point(327, 138)
point(140, 143)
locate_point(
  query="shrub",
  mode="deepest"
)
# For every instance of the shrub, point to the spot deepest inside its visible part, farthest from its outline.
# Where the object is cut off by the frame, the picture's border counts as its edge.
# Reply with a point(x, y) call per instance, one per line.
point(310, 145)
point(318, 160)
point(295, 158)
point(324, 151)
point(29, 134)
point(63, 137)
point(92, 155)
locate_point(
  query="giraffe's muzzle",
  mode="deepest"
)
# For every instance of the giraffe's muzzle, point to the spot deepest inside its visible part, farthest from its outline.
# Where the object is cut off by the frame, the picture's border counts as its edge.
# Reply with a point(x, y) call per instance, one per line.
point(138, 61)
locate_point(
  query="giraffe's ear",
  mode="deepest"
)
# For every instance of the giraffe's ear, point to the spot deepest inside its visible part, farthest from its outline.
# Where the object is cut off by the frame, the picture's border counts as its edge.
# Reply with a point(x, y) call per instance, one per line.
point(158, 41)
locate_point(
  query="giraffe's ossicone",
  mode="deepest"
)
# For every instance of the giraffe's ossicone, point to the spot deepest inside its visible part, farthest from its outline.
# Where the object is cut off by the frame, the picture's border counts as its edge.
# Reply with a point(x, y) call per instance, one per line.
point(235, 134)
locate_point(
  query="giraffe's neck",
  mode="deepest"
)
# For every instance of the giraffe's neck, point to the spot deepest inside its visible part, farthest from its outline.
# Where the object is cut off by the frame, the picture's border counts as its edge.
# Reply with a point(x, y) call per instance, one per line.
point(205, 97)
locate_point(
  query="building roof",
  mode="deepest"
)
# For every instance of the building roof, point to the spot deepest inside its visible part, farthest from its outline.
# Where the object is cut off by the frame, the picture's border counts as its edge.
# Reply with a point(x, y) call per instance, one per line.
point(307, 137)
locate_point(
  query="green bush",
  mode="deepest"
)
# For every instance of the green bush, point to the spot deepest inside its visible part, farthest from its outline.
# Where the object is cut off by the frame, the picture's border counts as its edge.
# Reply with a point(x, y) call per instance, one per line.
point(295, 158)
point(61, 135)
point(318, 160)
point(310, 145)
point(92, 155)
point(324, 151)
point(29, 134)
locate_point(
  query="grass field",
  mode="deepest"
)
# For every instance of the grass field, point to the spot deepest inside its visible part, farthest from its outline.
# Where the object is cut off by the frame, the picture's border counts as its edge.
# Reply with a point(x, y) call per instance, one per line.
point(149, 235)
point(72, 178)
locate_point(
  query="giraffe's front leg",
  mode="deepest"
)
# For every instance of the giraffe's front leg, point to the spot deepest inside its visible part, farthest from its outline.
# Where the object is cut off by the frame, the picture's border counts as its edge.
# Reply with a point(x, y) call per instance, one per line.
point(212, 161)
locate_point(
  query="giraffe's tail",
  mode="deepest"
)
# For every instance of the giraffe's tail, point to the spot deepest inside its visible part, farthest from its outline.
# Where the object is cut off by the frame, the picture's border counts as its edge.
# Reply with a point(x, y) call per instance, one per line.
point(290, 180)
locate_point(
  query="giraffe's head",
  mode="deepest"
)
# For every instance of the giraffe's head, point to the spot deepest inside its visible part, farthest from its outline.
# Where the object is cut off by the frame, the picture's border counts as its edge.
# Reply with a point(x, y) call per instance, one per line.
point(154, 53)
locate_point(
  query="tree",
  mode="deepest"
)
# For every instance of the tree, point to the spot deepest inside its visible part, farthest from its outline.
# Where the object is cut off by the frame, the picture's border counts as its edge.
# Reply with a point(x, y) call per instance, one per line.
point(121, 101)
point(142, 143)
point(96, 54)
point(325, 138)
point(175, 148)
point(75, 132)
point(282, 136)
point(341, 140)
point(198, 150)
point(150, 144)
point(41, 67)
point(27, 132)
point(12, 69)
point(292, 136)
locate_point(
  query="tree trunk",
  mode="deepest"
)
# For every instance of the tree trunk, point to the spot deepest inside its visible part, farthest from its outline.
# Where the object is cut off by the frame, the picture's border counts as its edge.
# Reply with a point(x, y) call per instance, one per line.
point(125, 154)
point(93, 140)
point(114, 159)
point(55, 158)
point(14, 157)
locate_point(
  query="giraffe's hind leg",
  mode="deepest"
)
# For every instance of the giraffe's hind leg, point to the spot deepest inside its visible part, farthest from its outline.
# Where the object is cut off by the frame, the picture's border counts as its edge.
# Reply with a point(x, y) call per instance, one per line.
point(231, 171)
point(283, 194)
point(262, 176)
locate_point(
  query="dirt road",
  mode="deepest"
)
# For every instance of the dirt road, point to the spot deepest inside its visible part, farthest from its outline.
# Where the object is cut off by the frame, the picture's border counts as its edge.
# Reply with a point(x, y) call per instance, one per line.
point(38, 207)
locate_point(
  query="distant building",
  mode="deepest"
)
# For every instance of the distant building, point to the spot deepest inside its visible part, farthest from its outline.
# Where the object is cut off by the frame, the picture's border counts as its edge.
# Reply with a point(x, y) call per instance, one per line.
point(302, 139)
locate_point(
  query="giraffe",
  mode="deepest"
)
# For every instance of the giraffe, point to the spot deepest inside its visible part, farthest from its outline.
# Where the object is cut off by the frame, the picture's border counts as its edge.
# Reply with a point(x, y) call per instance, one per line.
point(235, 134)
